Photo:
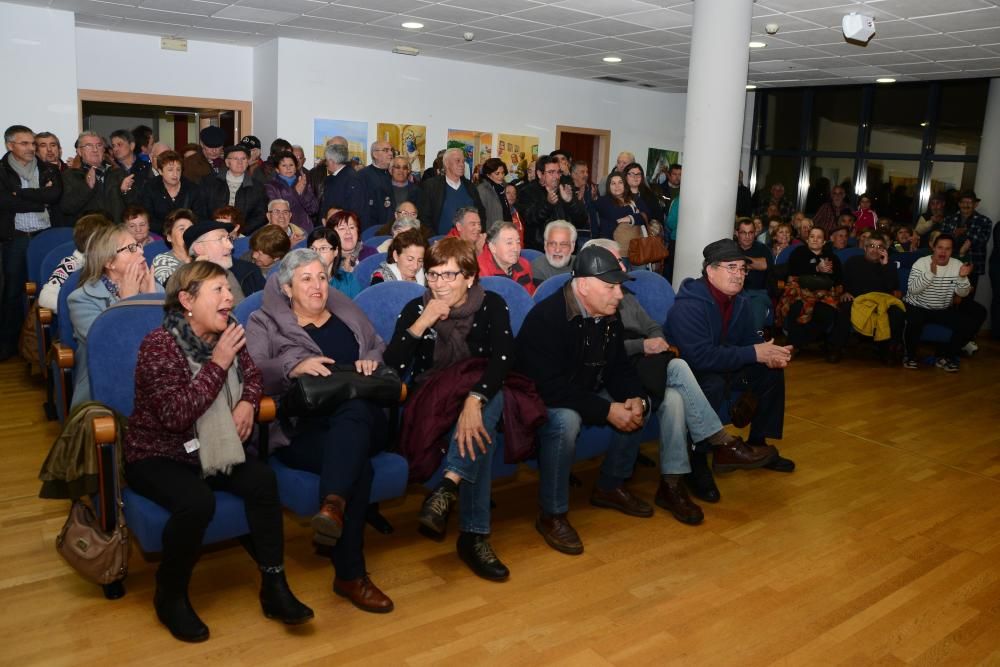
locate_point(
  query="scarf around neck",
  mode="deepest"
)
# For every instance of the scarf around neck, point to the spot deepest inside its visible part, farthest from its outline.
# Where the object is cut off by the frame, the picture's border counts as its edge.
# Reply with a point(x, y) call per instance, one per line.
point(501, 190)
point(29, 173)
point(451, 345)
point(220, 446)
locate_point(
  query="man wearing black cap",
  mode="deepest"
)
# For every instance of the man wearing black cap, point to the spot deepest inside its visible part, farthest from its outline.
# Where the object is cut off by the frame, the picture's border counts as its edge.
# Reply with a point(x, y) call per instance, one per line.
point(572, 345)
point(233, 186)
point(209, 159)
point(255, 167)
point(711, 324)
point(209, 241)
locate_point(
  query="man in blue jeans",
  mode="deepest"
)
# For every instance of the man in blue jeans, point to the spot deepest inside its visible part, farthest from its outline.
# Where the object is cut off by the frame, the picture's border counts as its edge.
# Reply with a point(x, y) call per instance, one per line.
point(572, 345)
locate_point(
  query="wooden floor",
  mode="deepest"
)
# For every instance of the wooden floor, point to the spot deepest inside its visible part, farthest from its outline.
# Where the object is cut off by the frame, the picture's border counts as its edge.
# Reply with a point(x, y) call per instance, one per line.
point(882, 548)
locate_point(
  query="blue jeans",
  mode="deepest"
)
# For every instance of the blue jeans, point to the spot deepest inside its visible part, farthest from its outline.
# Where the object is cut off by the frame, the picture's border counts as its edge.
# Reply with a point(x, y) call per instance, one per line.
point(556, 449)
point(477, 476)
point(684, 409)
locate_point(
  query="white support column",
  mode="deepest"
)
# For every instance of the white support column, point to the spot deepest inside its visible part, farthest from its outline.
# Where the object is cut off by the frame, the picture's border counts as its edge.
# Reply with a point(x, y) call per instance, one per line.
point(713, 128)
point(988, 178)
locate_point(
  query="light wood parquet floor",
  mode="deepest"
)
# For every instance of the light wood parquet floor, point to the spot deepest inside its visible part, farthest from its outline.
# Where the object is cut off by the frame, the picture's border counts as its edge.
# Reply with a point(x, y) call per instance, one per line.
point(883, 548)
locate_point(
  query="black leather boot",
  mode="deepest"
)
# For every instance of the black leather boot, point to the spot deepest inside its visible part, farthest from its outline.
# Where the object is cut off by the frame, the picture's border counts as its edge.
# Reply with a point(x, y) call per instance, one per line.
point(700, 481)
point(476, 552)
point(174, 610)
point(278, 601)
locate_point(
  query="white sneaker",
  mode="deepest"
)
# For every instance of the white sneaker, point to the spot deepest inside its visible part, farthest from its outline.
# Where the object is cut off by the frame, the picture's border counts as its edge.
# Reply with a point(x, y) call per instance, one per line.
point(970, 348)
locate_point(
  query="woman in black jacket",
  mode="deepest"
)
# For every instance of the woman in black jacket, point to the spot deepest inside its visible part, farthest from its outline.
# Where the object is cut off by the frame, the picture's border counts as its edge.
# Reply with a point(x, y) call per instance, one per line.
point(810, 302)
point(169, 191)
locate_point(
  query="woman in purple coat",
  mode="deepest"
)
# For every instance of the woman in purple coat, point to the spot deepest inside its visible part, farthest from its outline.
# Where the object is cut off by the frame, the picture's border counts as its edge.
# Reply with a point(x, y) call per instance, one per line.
point(290, 184)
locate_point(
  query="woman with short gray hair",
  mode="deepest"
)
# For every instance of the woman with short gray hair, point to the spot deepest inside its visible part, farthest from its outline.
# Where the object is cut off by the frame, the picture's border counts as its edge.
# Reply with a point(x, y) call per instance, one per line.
point(302, 328)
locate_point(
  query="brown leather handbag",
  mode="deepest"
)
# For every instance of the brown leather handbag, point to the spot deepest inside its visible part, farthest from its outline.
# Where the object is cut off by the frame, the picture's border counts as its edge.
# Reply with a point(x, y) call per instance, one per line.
point(98, 556)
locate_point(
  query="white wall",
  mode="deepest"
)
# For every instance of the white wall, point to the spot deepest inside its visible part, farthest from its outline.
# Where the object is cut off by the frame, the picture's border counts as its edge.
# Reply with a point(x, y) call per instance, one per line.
point(330, 81)
point(37, 78)
point(107, 60)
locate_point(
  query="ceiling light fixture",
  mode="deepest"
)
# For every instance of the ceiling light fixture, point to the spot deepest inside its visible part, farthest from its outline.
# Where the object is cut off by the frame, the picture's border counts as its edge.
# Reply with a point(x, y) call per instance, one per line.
point(611, 59)
point(413, 25)
point(750, 86)
point(757, 45)
point(885, 80)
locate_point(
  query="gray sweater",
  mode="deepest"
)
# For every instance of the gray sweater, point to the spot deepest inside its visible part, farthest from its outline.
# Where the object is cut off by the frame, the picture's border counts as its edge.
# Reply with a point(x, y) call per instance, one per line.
point(638, 325)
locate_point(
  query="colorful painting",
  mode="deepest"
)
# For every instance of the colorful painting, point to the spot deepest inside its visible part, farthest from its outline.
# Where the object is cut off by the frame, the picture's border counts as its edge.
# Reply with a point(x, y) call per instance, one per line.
point(516, 151)
point(658, 164)
point(477, 146)
point(355, 131)
point(408, 141)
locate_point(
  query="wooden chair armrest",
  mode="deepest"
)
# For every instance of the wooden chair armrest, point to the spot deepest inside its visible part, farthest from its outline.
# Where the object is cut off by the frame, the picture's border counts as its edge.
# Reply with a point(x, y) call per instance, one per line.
point(105, 430)
point(676, 352)
point(403, 391)
point(63, 356)
point(45, 316)
point(268, 410)
point(31, 288)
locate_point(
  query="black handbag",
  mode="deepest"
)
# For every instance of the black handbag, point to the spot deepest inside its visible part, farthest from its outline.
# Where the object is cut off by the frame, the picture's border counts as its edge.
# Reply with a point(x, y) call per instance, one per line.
point(317, 396)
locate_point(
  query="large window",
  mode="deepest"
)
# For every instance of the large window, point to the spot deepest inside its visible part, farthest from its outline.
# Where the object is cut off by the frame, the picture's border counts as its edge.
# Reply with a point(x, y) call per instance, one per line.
point(899, 142)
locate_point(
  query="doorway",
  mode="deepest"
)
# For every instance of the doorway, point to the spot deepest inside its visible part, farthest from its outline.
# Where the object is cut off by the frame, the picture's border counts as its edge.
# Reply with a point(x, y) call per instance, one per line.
point(176, 121)
point(588, 144)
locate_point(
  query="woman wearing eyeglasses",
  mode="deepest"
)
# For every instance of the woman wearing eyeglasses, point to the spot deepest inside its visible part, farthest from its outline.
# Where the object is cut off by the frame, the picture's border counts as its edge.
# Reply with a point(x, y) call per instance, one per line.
point(455, 341)
point(114, 269)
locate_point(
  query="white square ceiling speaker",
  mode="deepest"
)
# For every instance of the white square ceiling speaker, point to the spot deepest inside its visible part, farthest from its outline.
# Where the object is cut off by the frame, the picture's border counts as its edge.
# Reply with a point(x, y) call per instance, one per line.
point(858, 27)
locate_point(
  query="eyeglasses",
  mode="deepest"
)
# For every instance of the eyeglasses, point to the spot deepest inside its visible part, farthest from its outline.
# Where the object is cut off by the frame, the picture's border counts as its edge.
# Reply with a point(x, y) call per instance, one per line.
point(447, 276)
point(221, 239)
point(561, 245)
point(381, 150)
point(93, 147)
point(131, 247)
point(281, 212)
point(734, 268)
point(323, 248)
point(877, 246)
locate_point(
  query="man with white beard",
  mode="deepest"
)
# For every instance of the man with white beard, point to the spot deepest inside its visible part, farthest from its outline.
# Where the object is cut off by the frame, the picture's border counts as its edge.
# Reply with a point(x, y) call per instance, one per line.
point(560, 240)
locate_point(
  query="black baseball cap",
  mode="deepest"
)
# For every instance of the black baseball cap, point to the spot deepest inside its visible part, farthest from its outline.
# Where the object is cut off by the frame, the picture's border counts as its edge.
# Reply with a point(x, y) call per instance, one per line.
point(597, 262)
point(250, 141)
point(243, 148)
point(213, 136)
point(195, 232)
point(723, 250)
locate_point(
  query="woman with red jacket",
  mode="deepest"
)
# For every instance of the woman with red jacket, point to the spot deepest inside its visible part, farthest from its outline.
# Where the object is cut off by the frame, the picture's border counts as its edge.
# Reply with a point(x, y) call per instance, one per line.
point(196, 393)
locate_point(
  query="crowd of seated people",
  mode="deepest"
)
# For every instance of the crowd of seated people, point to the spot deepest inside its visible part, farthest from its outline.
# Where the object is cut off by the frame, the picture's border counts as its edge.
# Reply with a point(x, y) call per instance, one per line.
point(586, 357)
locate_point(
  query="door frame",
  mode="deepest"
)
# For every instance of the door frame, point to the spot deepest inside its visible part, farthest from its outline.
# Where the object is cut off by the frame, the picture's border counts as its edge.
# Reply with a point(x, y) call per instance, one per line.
point(245, 107)
point(603, 153)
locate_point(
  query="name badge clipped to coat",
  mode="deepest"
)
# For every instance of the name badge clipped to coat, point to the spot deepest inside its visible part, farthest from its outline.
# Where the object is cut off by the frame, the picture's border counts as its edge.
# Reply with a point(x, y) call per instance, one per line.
point(192, 445)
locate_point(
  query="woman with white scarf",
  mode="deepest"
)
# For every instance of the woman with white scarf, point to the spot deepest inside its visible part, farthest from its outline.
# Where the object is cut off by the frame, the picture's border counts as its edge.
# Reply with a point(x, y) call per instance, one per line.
point(196, 393)
point(404, 259)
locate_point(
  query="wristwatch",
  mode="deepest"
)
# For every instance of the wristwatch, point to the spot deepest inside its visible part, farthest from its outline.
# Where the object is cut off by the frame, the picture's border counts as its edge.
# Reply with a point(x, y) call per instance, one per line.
point(479, 397)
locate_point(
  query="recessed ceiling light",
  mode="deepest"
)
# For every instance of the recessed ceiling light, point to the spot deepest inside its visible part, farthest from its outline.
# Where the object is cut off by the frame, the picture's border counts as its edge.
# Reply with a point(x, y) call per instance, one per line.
point(750, 86)
point(612, 59)
point(885, 80)
point(757, 45)
point(413, 25)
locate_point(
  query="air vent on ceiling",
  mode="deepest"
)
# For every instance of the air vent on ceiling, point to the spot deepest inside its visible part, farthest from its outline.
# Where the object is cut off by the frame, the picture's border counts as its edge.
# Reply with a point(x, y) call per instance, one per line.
point(613, 79)
point(646, 85)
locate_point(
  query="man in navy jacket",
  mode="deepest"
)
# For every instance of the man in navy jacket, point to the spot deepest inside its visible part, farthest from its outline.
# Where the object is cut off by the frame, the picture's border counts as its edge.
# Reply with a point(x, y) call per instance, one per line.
point(711, 323)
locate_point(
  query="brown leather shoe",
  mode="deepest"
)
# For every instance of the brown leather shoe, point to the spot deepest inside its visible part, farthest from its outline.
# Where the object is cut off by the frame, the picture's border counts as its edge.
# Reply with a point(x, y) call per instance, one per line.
point(736, 455)
point(620, 499)
point(363, 594)
point(558, 533)
point(328, 523)
point(673, 497)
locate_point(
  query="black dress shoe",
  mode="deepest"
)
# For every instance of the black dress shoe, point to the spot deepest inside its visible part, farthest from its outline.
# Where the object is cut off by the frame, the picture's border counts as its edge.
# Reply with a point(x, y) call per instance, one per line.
point(476, 552)
point(700, 480)
point(673, 497)
point(434, 513)
point(781, 464)
point(377, 520)
point(174, 611)
point(278, 602)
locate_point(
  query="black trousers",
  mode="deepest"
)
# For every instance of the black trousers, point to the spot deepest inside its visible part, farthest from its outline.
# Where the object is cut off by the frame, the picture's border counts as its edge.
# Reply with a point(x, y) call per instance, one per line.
point(964, 320)
point(768, 384)
point(339, 448)
point(897, 321)
point(828, 324)
point(995, 303)
point(181, 490)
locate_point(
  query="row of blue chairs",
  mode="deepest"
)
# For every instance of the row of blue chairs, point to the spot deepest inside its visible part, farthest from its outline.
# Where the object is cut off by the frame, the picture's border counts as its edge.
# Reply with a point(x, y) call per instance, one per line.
point(117, 333)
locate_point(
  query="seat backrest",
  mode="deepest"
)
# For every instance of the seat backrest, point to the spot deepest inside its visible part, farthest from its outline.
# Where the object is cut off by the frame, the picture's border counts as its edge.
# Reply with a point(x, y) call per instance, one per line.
point(434, 239)
point(113, 348)
point(530, 254)
point(241, 246)
point(550, 286)
point(383, 303)
point(366, 267)
point(369, 233)
point(247, 306)
point(783, 256)
point(52, 259)
point(65, 325)
point(517, 298)
point(654, 292)
point(376, 241)
point(153, 249)
point(846, 253)
point(40, 245)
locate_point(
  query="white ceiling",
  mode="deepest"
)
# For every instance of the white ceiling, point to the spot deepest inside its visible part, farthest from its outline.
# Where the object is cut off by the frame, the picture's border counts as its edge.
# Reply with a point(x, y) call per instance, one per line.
point(915, 39)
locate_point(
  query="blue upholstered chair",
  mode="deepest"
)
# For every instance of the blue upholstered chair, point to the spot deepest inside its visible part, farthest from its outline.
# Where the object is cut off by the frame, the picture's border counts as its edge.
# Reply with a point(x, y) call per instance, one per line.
point(113, 349)
point(44, 325)
point(434, 239)
point(153, 249)
point(368, 234)
point(40, 246)
point(376, 241)
point(550, 286)
point(62, 357)
point(529, 254)
point(242, 311)
point(932, 333)
point(654, 292)
point(384, 302)
point(783, 256)
point(366, 267)
point(241, 246)
point(518, 301)
point(847, 253)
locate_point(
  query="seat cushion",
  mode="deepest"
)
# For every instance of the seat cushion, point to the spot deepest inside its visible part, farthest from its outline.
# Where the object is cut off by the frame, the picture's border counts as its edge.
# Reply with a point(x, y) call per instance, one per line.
point(146, 520)
point(299, 490)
